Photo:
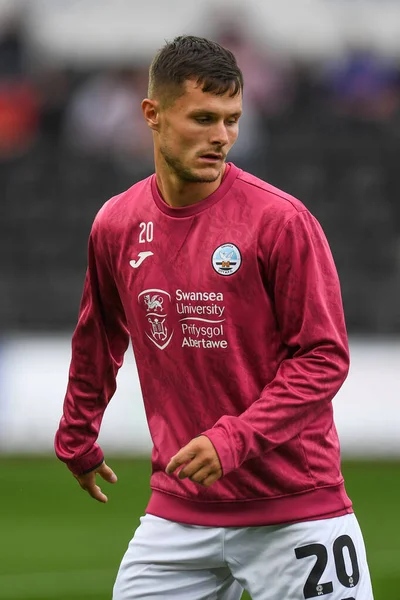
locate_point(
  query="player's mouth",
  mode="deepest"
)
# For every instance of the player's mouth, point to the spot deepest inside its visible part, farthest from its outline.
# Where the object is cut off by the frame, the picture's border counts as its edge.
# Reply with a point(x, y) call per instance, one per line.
point(212, 157)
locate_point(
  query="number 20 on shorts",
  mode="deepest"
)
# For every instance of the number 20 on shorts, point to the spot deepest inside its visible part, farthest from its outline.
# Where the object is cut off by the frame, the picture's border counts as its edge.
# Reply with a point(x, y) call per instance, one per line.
point(314, 588)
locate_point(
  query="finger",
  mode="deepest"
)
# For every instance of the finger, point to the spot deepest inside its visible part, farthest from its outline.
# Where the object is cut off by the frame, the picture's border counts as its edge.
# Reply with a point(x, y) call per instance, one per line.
point(107, 473)
point(196, 464)
point(212, 478)
point(183, 456)
point(96, 493)
point(200, 475)
point(88, 483)
point(192, 467)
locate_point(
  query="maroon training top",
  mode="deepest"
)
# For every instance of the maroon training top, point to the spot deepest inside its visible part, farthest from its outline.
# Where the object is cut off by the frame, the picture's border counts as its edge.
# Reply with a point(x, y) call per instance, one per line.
point(234, 310)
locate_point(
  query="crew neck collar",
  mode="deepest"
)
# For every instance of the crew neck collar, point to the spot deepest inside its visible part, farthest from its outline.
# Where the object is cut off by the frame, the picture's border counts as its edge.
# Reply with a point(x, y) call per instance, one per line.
point(231, 172)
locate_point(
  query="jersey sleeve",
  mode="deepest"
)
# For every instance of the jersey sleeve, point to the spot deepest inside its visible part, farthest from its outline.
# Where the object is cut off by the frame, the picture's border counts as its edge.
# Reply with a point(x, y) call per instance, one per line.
point(99, 343)
point(303, 282)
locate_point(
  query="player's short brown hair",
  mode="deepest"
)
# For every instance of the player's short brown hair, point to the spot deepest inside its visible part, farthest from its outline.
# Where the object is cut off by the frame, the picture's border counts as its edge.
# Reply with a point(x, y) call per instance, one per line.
point(190, 57)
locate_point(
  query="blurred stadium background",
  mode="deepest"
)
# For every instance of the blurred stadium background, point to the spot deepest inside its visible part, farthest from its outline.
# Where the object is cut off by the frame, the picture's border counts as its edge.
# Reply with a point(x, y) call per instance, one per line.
point(322, 121)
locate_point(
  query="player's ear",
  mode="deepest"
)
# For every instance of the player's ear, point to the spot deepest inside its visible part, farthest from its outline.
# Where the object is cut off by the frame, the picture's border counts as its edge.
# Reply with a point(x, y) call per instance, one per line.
point(151, 113)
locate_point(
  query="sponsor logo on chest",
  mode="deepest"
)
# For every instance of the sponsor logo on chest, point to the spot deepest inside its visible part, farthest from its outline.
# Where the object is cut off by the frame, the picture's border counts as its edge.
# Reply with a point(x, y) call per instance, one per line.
point(198, 318)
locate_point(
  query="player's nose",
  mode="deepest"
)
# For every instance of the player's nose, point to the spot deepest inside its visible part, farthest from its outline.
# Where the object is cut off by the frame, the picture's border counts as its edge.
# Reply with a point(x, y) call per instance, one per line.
point(219, 135)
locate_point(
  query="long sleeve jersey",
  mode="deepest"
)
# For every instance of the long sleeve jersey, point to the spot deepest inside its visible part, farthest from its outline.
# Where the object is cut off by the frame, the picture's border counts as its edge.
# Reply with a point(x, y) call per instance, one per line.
point(234, 310)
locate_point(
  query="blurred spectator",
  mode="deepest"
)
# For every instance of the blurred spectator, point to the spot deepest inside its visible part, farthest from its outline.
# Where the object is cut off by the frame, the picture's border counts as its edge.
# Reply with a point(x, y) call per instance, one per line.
point(11, 48)
point(364, 86)
point(54, 89)
point(104, 118)
point(267, 92)
point(19, 116)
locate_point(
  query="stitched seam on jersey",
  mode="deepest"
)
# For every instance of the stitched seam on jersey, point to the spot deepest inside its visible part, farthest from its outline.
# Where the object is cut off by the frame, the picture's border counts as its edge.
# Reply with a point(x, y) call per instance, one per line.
point(305, 210)
point(271, 192)
point(189, 231)
point(306, 459)
point(198, 212)
point(255, 499)
point(195, 214)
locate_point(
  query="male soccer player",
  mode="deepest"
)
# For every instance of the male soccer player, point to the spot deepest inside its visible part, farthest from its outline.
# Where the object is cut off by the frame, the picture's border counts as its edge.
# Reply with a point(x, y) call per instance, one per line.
point(227, 288)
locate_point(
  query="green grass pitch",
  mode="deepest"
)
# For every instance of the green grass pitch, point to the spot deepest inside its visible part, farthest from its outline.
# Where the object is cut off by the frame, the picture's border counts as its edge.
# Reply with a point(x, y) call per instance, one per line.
point(59, 544)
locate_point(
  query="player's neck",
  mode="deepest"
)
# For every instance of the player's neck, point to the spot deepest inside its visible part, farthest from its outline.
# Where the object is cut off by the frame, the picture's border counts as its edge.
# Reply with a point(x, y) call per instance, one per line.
point(178, 193)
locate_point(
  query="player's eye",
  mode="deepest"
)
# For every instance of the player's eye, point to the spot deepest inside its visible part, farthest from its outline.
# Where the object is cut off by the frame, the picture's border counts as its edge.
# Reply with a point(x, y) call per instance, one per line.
point(203, 120)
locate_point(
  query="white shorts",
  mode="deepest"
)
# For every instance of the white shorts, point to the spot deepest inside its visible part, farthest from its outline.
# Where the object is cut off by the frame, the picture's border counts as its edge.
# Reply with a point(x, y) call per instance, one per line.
point(314, 559)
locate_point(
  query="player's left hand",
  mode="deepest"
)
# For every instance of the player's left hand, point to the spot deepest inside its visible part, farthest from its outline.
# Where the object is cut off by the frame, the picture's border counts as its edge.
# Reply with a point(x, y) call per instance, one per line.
point(201, 462)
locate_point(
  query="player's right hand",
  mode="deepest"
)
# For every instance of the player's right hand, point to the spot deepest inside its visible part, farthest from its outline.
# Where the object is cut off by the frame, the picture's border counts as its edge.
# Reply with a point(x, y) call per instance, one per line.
point(88, 481)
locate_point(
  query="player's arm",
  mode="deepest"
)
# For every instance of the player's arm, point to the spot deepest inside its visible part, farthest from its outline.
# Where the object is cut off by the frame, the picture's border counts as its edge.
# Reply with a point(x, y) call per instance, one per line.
point(306, 293)
point(98, 347)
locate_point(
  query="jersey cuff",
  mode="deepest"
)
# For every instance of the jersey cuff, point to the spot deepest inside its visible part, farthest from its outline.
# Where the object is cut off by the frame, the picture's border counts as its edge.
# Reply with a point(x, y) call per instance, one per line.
point(223, 449)
point(87, 463)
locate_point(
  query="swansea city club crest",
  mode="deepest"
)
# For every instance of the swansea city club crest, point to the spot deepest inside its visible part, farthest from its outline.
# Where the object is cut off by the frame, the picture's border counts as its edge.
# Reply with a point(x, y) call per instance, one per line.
point(226, 259)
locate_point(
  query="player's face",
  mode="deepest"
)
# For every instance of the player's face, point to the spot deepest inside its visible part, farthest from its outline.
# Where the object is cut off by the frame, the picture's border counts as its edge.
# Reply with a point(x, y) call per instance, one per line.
point(196, 133)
